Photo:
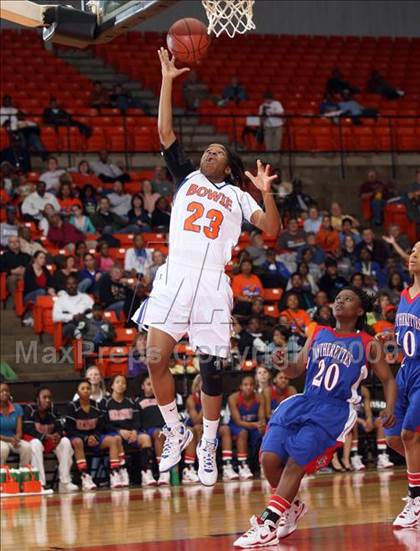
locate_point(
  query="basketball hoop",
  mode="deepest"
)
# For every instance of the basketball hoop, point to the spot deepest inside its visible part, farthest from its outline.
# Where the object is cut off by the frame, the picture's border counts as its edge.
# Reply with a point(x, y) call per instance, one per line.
point(230, 16)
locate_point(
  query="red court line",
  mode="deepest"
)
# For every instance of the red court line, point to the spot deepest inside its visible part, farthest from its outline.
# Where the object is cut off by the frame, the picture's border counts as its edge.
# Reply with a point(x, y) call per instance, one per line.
point(373, 537)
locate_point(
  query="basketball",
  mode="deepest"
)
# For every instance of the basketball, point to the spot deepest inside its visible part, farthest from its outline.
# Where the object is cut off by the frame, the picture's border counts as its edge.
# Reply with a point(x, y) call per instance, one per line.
point(188, 40)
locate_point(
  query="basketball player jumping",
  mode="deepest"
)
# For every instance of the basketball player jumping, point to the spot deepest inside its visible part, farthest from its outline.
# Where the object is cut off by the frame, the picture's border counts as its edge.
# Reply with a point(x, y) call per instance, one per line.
point(404, 436)
point(191, 293)
point(306, 429)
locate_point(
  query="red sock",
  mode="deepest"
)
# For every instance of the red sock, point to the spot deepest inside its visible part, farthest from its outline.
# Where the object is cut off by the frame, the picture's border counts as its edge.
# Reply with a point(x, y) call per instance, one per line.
point(122, 459)
point(189, 459)
point(381, 445)
point(275, 508)
point(226, 455)
point(115, 464)
point(413, 484)
point(81, 465)
point(242, 457)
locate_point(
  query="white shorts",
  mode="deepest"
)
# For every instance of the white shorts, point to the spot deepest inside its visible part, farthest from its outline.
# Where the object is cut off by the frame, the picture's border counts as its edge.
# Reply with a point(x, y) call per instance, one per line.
point(186, 300)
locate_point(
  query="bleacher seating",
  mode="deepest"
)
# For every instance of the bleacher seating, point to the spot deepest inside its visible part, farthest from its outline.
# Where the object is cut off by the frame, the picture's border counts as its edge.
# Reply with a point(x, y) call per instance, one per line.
point(295, 70)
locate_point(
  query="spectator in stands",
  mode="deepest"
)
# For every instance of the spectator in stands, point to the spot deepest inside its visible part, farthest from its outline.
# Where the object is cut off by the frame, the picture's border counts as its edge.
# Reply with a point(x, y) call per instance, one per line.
point(34, 205)
point(123, 100)
point(194, 91)
point(11, 429)
point(377, 192)
point(71, 307)
point(329, 107)
point(298, 201)
point(137, 356)
point(161, 216)
point(337, 85)
point(234, 91)
point(331, 282)
point(16, 154)
point(104, 260)
point(272, 123)
point(105, 221)
point(158, 259)
point(348, 257)
point(378, 85)
point(89, 200)
point(138, 259)
point(89, 275)
point(298, 318)
point(44, 222)
point(138, 217)
point(353, 109)
point(377, 247)
point(22, 187)
point(98, 391)
point(251, 342)
point(84, 175)
point(120, 202)
point(257, 311)
point(149, 196)
point(57, 116)
point(66, 266)
point(63, 234)
point(25, 130)
point(308, 281)
point(411, 200)
point(316, 255)
point(37, 280)
point(161, 182)
point(306, 255)
point(108, 172)
point(256, 249)
point(67, 199)
point(8, 228)
point(51, 176)
point(347, 230)
point(246, 285)
point(367, 267)
point(27, 244)
point(394, 231)
point(327, 238)
point(95, 330)
point(337, 217)
point(394, 287)
point(99, 97)
point(13, 262)
point(273, 273)
point(296, 286)
point(80, 221)
point(293, 238)
point(44, 431)
point(112, 290)
point(314, 220)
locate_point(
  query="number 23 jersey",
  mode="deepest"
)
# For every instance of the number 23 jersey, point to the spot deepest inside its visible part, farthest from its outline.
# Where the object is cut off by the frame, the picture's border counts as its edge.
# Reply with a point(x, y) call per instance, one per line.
point(407, 326)
point(337, 364)
point(206, 218)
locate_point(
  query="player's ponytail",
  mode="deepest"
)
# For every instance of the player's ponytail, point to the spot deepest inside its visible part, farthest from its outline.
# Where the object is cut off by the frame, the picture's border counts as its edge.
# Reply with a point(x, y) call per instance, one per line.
point(237, 175)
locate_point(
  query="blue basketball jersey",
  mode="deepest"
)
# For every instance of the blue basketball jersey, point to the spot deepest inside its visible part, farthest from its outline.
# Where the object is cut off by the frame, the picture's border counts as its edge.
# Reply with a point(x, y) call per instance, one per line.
point(336, 366)
point(248, 411)
point(407, 325)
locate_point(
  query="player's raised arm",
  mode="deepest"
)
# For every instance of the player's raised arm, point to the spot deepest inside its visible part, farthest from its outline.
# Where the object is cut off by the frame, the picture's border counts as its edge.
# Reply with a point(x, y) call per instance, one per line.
point(384, 374)
point(169, 73)
point(269, 220)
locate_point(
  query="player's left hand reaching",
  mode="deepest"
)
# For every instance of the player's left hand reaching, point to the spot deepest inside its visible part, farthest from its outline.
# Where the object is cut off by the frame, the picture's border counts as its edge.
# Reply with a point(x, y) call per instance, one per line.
point(262, 180)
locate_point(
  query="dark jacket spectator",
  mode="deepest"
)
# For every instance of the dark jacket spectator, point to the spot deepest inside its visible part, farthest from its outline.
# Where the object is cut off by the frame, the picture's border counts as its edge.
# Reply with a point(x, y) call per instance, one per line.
point(297, 202)
point(337, 85)
point(32, 283)
point(378, 85)
point(331, 282)
point(234, 92)
point(104, 220)
point(13, 258)
point(62, 233)
point(99, 97)
point(161, 215)
point(376, 247)
point(56, 116)
point(111, 289)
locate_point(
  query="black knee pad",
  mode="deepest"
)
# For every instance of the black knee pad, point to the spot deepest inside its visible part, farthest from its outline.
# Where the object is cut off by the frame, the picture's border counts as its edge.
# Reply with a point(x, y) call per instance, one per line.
point(211, 375)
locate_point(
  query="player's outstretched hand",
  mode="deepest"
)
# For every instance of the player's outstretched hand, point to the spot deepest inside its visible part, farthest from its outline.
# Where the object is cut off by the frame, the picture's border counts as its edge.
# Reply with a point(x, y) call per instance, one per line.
point(168, 65)
point(388, 418)
point(262, 180)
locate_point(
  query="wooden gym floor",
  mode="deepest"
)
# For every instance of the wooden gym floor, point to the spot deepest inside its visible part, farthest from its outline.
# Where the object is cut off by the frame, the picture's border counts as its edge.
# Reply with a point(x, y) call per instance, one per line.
point(348, 512)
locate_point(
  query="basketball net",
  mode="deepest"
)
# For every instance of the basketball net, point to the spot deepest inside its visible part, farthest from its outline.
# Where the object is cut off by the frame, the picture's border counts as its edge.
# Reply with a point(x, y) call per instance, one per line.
point(230, 16)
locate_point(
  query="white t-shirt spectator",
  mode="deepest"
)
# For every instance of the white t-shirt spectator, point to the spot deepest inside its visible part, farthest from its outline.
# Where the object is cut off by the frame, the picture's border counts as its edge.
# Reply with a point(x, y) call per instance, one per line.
point(269, 108)
point(120, 204)
point(66, 306)
point(139, 260)
point(52, 179)
point(34, 204)
point(9, 113)
point(107, 169)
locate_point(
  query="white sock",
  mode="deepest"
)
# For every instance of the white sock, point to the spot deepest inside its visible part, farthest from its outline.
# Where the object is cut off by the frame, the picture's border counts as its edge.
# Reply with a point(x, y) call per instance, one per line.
point(210, 429)
point(170, 414)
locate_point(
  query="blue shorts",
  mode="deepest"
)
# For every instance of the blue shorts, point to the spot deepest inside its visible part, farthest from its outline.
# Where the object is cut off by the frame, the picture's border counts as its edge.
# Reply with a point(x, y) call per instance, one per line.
point(152, 431)
point(407, 408)
point(308, 430)
point(94, 449)
point(254, 435)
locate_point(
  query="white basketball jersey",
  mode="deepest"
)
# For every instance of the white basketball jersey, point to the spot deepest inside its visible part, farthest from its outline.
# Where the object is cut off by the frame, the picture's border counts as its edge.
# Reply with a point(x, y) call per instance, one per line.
point(206, 222)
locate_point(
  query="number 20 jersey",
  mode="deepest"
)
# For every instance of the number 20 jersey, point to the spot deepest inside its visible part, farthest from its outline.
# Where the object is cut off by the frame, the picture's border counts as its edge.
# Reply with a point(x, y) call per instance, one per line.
point(407, 327)
point(337, 364)
point(206, 222)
